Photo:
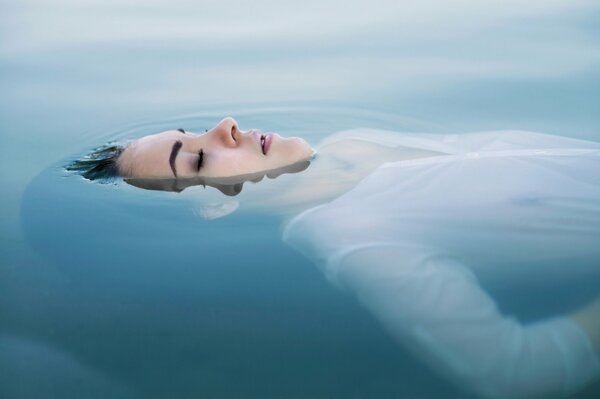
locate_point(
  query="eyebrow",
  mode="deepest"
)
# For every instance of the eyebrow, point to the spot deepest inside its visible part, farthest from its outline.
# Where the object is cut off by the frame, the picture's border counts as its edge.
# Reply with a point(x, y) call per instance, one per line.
point(174, 151)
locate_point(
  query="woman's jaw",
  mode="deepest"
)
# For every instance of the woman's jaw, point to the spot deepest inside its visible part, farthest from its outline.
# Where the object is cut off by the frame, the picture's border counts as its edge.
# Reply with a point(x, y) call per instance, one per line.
point(223, 151)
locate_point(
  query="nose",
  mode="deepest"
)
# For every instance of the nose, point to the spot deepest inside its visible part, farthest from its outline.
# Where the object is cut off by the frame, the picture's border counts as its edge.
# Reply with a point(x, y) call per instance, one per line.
point(227, 131)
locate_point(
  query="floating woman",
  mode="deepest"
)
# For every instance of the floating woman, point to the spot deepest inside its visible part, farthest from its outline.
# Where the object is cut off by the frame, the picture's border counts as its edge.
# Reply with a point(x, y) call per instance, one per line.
point(412, 224)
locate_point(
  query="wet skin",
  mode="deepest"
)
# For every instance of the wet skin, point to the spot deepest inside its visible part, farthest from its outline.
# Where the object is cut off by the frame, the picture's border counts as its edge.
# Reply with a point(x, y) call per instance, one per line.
point(223, 151)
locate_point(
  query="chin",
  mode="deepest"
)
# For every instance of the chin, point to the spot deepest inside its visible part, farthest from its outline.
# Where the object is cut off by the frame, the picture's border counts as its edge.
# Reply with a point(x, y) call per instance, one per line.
point(303, 150)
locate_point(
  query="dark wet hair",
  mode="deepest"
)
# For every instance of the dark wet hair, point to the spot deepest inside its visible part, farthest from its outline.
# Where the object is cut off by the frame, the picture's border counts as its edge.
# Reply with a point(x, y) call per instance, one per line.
point(100, 164)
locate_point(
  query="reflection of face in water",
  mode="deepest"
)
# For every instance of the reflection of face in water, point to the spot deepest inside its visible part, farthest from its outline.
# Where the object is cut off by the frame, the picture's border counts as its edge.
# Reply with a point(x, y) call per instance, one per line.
point(230, 186)
point(223, 151)
point(224, 158)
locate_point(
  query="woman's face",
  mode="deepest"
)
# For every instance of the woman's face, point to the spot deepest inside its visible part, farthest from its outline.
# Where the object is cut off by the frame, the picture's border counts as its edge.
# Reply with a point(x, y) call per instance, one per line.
point(223, 151)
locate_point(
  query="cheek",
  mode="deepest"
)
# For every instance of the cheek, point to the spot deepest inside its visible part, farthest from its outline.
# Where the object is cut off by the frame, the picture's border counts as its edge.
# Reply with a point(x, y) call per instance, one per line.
point(231, 162)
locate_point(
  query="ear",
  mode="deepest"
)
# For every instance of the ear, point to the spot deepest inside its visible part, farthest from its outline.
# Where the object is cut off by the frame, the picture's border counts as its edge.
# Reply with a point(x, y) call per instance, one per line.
point(215, 210)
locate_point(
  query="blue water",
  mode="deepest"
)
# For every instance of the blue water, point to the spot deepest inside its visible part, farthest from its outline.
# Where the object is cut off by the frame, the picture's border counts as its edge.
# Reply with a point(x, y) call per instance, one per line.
point(111, 291)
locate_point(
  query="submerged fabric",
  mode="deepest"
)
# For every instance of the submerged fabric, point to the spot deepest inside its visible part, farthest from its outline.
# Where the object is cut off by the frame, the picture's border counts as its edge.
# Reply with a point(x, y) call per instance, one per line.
point(415, 237)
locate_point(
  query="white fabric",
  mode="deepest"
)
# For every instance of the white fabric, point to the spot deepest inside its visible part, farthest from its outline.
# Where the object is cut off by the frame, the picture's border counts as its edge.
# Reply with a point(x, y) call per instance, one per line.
point(412, 239)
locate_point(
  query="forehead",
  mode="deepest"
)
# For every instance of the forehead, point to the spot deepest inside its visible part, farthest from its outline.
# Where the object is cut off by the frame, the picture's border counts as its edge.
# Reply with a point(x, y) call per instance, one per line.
point(151, 150)
point(158, 138)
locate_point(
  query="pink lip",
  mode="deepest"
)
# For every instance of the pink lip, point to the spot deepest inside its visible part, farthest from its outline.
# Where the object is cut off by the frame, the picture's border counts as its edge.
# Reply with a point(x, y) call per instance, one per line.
point(268, 140)
point(258, 135)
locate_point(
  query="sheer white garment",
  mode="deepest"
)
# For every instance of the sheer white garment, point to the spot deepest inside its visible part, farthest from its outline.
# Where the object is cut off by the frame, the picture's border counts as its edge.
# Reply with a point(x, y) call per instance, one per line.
point(413, 239)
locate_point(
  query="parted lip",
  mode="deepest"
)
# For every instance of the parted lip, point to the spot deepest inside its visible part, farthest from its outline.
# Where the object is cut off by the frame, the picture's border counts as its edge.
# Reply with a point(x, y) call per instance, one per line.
point(263, 141)
point(267, 143)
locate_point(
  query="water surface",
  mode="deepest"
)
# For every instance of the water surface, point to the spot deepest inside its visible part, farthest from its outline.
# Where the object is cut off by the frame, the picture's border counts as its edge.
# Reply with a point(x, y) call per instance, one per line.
point(111, 291)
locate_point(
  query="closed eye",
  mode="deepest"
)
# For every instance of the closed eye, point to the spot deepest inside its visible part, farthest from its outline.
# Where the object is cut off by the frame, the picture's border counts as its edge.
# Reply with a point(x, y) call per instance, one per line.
point(200, 160)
